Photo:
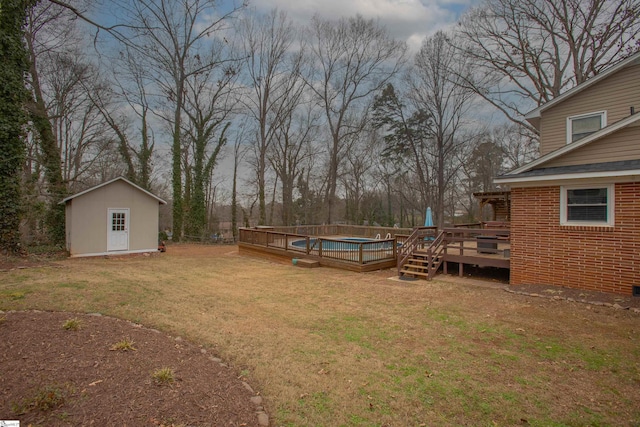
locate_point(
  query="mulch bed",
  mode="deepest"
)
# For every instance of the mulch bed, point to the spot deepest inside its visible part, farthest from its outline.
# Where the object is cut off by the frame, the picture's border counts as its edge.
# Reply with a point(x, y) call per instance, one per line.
point(53, 376)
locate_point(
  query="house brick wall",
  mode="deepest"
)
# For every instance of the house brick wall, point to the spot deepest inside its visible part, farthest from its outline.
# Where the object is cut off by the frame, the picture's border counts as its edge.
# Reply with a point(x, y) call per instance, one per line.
point(543, 252)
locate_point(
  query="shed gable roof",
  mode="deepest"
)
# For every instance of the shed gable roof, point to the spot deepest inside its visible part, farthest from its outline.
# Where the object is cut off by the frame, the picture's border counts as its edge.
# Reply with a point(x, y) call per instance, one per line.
point(104, 184)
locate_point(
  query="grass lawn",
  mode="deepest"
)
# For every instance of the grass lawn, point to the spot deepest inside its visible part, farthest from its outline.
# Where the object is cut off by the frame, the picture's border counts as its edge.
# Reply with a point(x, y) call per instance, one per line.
point(327, 347)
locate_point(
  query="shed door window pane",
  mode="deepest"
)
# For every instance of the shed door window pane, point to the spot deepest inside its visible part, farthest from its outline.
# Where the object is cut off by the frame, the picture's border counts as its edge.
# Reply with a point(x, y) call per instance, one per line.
point(117, 221)
point(589, 204)
point(585, 126)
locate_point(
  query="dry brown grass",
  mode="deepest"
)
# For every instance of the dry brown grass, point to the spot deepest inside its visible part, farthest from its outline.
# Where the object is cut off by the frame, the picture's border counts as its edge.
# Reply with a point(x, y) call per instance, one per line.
point(332, 348)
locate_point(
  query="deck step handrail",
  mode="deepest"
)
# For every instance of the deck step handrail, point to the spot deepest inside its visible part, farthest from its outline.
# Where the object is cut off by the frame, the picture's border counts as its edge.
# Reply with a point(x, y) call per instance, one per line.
point(413, 242)
point(435, 255)
point(436, 252)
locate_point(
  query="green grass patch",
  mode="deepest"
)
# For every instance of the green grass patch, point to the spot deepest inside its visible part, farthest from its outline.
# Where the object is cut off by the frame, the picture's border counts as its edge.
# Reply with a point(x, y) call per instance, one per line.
point(13, 295)
point(356, 330)
point(163, 376)
point(43, 399)
point(124, 345)
point(318, 402)
point(447, 319)
point(73, 285)
point(72, 324)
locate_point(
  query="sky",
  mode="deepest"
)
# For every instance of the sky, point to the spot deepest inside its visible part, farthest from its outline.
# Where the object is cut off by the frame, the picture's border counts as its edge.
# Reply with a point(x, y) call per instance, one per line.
point(409, 20)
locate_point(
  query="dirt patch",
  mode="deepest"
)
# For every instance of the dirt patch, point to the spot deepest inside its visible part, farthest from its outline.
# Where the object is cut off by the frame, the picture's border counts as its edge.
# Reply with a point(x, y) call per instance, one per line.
point(90, 376)
point(577, 295)
point(8, 263)
point(500, 278)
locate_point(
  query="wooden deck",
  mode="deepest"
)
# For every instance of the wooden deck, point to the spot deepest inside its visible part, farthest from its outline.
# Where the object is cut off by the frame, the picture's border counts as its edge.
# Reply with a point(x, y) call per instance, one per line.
point(468, 253)
point(420, 254)
point(335, 252)
point(463, 246)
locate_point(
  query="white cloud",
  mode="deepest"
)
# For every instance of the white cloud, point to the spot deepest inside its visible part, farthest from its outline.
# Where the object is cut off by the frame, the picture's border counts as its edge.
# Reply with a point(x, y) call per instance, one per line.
point(409, 20)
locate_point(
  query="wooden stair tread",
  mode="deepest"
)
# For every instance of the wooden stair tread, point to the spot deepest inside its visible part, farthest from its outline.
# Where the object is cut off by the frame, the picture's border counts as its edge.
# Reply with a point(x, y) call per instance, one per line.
point(424, 255)
point(419, 263)
point(415, 273)
point(306, 263)
point(420, 260)
point(421, 266)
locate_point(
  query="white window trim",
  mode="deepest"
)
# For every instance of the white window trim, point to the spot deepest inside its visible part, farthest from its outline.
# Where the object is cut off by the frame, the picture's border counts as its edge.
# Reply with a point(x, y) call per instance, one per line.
point(610, 206)
point(603, 116)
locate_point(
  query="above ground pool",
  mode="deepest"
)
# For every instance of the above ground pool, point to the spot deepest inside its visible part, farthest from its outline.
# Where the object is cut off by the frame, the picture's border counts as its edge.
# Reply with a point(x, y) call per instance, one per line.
point(343, 244)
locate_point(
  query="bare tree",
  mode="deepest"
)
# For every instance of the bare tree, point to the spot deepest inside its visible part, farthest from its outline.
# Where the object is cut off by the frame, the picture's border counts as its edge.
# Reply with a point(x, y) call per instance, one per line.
point(208, 105)
point(352, 60)
point(435, 88)
point(480, 160)
point(240, 148)
point(132, 104)
point(293, 143)
point(49, 29)
point(526, 52)
point(358, 182)
point(174, 36)
point(517, 144)
point(274, 86)
point(78, 126)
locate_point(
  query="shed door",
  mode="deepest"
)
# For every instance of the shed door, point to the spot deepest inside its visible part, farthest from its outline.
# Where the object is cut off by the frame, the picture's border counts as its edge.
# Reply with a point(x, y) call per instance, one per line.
point(117, 229)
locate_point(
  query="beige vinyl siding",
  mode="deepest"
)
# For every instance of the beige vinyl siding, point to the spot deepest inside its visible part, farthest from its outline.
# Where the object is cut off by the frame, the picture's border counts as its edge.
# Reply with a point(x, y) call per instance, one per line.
point(621, 145)
point(68, 220)
point(614, 95)
point(88, 224)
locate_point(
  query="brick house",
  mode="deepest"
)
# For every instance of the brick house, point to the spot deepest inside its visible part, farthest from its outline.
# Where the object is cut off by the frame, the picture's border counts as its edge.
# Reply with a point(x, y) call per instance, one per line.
point(575, 211)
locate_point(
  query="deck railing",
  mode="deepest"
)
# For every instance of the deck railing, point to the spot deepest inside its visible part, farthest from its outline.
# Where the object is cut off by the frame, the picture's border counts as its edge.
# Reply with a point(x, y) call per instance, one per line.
point(449, 243)
point(478, 240)
point(421, 237)
point(343, 250)
point(344, 230)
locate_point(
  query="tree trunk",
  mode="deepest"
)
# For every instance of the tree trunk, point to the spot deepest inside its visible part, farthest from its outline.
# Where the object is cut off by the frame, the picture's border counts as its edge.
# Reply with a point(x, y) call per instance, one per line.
point(50, 155)
point(12, 118)
point(176, 152)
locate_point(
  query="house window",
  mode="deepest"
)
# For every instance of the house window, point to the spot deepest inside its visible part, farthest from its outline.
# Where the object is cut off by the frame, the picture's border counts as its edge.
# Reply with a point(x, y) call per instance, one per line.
point(586, 205)
point(584, 125)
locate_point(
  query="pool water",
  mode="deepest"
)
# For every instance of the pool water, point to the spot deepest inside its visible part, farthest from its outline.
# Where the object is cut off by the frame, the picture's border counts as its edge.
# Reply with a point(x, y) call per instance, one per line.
point(344, 244)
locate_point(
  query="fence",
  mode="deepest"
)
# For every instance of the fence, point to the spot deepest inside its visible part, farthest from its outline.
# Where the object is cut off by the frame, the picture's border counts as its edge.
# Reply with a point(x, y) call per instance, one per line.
point(344, 250)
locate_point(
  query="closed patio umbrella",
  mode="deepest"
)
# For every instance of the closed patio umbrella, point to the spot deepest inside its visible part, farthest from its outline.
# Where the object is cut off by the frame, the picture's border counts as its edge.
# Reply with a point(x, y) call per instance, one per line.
point(428, 219)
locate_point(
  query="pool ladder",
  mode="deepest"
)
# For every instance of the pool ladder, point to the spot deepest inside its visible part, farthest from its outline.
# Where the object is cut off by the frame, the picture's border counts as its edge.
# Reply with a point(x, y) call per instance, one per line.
point(378, 236)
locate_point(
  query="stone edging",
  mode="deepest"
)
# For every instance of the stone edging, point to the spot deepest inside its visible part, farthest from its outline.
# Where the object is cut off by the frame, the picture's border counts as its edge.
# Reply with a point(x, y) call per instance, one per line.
point(263, 417)
point(569, 299)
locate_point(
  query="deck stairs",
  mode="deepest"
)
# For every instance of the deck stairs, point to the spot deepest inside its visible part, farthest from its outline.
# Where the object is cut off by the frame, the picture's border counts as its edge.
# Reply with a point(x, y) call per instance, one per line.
point(421, 254)
point(419, 265)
